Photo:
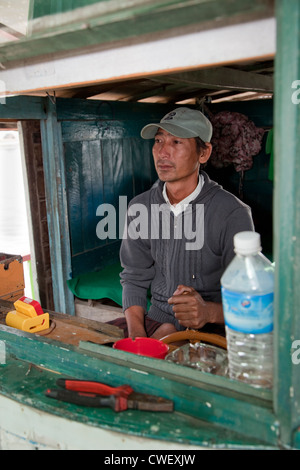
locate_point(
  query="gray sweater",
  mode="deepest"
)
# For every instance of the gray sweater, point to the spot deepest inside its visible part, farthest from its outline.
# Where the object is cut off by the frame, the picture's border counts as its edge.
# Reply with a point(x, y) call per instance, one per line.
point(193, 248)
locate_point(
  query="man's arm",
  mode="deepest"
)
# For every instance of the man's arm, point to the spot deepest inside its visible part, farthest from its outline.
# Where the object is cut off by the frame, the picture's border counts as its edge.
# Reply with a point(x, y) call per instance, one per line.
point(138, 272)
point(135, 318)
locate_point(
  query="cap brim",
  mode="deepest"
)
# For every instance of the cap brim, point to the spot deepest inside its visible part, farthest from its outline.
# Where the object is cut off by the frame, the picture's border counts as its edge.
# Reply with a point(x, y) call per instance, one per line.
point(149, 131)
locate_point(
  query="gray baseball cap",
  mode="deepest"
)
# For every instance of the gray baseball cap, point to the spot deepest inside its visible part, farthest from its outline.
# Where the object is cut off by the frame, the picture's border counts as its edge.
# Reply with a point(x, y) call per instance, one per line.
point(182, 122)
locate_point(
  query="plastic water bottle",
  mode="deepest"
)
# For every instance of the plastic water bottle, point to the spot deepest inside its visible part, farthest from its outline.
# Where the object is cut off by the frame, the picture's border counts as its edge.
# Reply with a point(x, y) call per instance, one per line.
point(247, 297)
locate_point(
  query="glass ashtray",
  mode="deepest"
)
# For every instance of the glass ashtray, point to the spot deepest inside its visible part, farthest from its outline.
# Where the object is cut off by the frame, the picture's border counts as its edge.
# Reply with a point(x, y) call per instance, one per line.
point(200, 356)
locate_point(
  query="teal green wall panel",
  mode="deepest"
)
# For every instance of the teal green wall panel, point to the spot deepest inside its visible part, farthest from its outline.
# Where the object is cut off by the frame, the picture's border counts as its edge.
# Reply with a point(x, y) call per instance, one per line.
point(105, 158)
point(51, 7)
point(23, 107)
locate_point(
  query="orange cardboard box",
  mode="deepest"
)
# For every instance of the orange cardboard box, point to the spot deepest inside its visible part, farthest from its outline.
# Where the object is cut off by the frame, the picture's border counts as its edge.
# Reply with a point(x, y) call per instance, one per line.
point(11, 277)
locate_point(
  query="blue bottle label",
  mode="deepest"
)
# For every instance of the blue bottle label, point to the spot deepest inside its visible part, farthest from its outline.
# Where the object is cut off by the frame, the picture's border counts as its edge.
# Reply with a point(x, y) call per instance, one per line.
point(248, 313)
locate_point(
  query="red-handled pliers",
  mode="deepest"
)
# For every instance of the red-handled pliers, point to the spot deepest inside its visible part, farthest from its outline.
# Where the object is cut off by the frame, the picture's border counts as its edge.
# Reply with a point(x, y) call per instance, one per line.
point(97, 394)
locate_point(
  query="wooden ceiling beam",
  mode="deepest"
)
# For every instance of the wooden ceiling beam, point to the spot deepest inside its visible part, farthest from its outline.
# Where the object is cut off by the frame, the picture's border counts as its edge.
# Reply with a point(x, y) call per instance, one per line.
point(222, 78)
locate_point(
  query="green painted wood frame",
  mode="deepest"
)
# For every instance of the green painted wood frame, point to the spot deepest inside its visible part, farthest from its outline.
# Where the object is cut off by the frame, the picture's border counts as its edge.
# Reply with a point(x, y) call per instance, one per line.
point(104, 22)
point(58, 227)
point(287, 220)
point(219, 412)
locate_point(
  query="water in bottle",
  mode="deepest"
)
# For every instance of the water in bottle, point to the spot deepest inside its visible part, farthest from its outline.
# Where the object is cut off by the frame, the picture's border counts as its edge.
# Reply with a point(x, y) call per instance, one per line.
point(247, 297)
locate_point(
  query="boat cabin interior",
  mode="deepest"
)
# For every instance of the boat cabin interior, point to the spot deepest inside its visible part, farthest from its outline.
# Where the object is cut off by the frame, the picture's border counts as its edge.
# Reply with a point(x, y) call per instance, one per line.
point(79, 88)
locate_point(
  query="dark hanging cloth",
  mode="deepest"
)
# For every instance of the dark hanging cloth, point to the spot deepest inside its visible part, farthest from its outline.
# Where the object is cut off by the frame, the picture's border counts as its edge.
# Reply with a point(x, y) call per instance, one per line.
point(235, 140)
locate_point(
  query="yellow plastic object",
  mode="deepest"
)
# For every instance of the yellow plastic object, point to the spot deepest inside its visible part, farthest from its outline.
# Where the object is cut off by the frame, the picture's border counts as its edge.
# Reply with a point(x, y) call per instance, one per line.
point(26, 309)
point(28, 316)
point(26, 323)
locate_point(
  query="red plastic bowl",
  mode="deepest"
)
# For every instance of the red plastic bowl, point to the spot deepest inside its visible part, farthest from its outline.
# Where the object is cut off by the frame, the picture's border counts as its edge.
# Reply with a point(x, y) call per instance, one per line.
point(143, 347)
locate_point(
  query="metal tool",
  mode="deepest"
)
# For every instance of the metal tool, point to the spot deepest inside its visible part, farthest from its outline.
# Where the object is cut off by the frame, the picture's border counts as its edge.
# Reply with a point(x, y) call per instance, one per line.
point(97, 394)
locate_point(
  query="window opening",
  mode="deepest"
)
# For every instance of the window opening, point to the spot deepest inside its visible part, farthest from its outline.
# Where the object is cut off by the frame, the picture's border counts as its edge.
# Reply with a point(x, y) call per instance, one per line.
point(14, 227)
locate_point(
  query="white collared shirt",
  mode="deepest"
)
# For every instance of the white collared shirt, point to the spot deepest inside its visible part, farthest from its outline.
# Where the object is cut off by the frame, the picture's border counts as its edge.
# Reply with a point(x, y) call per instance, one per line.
point(182, 205)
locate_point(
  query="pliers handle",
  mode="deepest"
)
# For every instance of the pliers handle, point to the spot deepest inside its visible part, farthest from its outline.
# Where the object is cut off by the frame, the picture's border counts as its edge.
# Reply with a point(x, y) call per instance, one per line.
point(97, 394)
point(117, 403)
point(88, 386)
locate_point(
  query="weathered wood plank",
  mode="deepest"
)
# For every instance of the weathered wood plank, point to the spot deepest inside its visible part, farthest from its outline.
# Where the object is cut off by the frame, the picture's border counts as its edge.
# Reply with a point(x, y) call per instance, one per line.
point(104, 158)
point(61, 425)
point(213, 400)
point(76, 109)
point(23, 107)
point(55, 185)
point(222, 78)
point(106, 21)
point(70, 321)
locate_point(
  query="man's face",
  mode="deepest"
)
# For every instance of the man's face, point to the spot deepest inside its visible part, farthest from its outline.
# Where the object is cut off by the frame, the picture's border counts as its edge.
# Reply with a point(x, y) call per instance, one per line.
point(175, 158)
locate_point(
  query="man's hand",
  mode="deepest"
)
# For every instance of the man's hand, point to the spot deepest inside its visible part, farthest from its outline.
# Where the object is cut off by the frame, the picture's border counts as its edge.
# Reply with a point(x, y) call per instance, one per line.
point(192, 311)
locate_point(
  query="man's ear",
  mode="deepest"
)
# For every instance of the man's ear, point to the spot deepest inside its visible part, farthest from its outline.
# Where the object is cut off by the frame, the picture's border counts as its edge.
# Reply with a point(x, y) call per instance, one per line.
point(205, 153)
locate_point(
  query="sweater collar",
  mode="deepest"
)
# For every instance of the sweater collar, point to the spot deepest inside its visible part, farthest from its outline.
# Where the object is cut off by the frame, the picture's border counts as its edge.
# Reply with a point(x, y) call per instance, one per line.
point(182, 205)
point(208, 185)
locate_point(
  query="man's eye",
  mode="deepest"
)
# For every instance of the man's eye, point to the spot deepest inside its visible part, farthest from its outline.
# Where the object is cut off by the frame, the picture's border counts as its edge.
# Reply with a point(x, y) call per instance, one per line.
point(177, 141)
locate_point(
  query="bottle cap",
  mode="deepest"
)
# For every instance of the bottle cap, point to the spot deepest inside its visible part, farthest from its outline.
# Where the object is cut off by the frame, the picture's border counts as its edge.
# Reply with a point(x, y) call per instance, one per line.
point(246, 243)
